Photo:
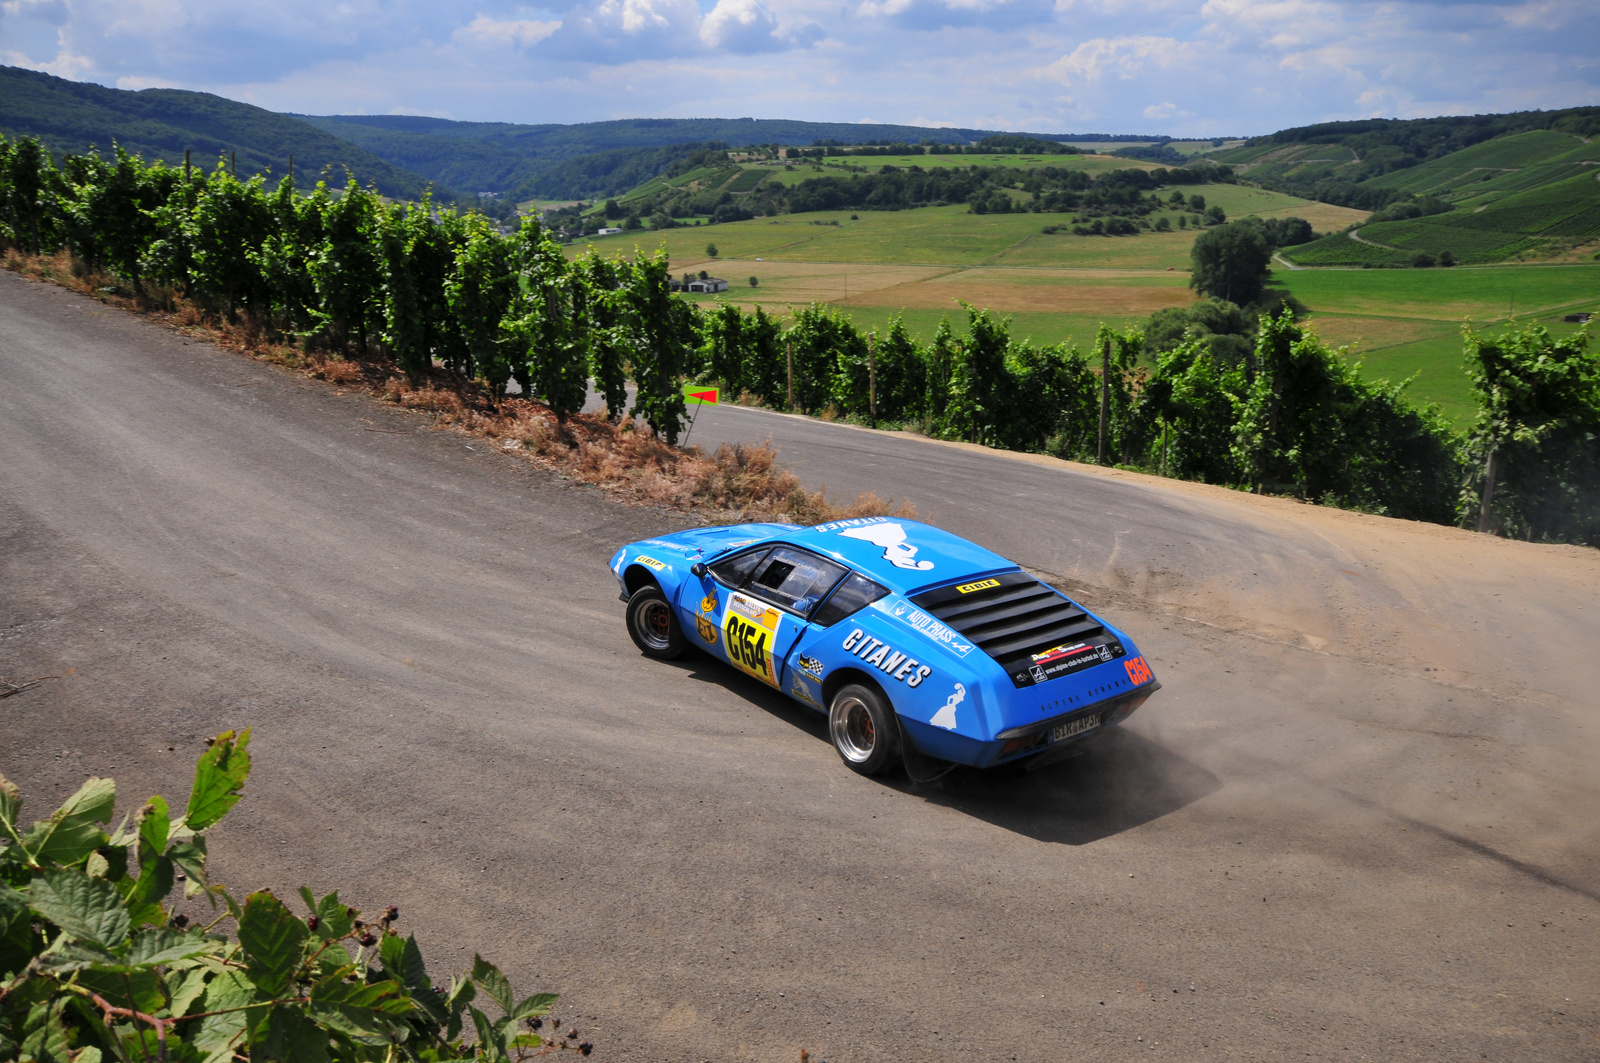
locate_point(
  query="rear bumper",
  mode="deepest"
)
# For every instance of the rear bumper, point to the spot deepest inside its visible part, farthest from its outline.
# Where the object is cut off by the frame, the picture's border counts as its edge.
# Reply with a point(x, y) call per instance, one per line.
point(1031, 740)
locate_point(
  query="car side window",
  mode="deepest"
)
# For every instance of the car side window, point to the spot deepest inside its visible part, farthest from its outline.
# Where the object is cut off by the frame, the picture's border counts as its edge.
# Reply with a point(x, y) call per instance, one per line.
point(854, 594)
point(793, 578)
point(733, 571)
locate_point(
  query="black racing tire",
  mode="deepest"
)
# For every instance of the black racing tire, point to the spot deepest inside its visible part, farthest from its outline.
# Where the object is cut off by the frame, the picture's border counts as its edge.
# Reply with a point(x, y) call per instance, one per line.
point(652, 625)
point(864, 729)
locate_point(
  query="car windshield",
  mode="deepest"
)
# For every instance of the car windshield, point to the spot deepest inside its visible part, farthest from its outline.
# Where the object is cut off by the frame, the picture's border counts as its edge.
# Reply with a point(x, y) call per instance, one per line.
point(795, 579)
point(733, 571)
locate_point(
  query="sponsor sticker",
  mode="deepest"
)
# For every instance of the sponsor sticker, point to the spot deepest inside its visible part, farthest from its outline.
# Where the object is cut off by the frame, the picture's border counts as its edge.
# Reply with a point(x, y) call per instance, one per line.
point(853, 522)
point(946, 717)
point(886, 659)
point(947, 637)
point(707, 630)
point(810, 666)
point(802, 690)
point(651, 562)
point(708, 604)
point(1064, 660)
point(892, 537)
point(750, 630)
point(981, 585)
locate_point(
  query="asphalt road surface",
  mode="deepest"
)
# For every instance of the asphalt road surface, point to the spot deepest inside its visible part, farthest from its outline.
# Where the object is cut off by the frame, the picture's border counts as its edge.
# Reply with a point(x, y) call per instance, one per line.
point(1358, 822)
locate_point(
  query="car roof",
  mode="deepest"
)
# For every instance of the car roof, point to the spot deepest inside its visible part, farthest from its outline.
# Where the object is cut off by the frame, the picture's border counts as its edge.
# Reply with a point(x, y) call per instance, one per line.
point(903, 555)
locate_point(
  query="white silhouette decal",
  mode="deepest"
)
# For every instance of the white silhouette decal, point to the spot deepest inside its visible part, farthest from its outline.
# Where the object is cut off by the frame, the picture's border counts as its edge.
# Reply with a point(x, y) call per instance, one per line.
point(892, 537)
point(946, 717)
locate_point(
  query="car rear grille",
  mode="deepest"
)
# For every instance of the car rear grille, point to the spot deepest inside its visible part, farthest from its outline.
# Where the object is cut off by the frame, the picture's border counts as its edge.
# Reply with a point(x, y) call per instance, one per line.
point(1011, 617)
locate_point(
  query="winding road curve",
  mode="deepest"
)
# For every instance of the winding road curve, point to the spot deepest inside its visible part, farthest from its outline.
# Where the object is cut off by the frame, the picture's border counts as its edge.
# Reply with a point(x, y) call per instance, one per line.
point(1357, 823)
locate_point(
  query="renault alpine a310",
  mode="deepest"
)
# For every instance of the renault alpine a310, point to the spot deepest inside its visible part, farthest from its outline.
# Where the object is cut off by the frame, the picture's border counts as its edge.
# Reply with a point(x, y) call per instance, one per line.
point(908, 637)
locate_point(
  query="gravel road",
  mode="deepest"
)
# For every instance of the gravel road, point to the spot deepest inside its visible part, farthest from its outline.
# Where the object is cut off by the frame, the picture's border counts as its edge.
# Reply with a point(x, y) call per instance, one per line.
point(1358, 822)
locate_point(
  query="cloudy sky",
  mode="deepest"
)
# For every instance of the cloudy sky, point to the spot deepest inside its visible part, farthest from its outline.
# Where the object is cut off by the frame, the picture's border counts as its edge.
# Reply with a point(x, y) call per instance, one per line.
point(1180, 67)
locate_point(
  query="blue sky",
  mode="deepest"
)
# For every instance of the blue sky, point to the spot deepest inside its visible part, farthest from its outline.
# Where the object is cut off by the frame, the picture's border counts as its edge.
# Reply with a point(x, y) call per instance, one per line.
point(1179, 67)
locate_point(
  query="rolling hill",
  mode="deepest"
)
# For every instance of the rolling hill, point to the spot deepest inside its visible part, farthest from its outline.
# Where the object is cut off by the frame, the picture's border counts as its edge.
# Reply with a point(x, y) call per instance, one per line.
point(71, 117)
point(1522, 195)
point(537, 161)
point(1345, 162)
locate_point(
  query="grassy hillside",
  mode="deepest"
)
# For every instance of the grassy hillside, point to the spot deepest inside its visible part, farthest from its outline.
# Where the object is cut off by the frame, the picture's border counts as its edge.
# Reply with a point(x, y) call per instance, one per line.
point(1341, 162)
point(70, 116)
point(1528, 195)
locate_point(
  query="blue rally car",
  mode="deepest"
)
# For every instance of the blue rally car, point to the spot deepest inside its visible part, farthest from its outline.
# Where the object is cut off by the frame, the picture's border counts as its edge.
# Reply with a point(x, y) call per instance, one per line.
point(900, 632)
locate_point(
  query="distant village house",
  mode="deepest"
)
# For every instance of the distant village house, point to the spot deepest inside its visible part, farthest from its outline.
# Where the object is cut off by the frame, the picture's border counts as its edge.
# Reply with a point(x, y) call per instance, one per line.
point(706, 284)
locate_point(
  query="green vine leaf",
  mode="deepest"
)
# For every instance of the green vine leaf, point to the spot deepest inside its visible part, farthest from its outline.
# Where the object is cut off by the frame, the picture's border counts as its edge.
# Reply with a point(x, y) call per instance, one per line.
point(271, 938)
point(87, 909)
point(73, 832)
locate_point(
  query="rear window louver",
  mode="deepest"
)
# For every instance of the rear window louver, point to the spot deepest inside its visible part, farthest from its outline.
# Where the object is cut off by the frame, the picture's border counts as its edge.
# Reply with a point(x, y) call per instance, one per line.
point(1013, 617)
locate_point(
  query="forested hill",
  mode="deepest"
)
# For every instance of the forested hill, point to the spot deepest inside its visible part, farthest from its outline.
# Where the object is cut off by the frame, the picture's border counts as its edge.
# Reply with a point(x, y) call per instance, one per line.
point(1337, 162)
point(71, 116)
point(527, 161)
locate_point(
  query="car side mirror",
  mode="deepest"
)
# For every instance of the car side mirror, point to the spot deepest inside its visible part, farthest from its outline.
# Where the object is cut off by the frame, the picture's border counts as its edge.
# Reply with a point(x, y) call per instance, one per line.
point(699, 569)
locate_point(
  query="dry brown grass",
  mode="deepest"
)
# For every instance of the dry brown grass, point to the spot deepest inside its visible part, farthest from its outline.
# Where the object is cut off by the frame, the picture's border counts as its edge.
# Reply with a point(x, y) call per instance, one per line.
point(741, 481)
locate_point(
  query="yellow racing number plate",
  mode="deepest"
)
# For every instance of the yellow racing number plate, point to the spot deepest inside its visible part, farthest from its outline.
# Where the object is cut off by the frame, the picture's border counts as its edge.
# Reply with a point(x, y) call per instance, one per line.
point(749, 634)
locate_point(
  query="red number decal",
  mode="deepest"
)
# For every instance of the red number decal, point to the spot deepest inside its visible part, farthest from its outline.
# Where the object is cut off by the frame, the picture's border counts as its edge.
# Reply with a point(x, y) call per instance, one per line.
point(1138, 672)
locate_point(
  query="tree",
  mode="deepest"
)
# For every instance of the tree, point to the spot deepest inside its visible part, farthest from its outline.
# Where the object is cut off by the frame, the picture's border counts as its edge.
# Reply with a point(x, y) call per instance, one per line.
point(480, 289)
point(1537, 438)
point(1231, 262)
point(711, 249)
point(664, 333)
point(550, 315)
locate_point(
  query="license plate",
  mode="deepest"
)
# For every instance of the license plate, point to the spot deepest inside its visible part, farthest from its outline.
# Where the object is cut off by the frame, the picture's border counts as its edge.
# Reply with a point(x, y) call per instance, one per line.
point(1075, 727)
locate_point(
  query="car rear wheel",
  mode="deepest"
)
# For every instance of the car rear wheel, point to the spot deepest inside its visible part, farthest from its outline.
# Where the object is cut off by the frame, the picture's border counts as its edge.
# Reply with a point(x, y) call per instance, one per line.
point(863, 729)
point(651, 623)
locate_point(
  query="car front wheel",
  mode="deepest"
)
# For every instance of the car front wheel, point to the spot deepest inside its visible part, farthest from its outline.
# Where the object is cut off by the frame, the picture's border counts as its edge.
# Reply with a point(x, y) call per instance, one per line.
point(651, 623)
point(863, 729)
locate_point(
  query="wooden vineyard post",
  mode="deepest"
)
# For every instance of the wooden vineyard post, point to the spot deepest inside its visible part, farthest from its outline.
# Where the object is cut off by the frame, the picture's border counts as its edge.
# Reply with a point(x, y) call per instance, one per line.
point(1488, 494)
point(872, 381)
point(1105, 395)
point(789, 349)
point(233, 165)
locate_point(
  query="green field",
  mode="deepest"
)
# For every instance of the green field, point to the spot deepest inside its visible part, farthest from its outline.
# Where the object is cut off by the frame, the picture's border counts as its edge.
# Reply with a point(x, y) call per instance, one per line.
point(1402, 322)
point(923, 263)
point(952, 236)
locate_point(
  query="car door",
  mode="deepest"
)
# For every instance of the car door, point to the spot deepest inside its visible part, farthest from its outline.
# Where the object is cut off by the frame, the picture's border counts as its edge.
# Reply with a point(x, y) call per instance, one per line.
point(818, 645)
point(754, 606)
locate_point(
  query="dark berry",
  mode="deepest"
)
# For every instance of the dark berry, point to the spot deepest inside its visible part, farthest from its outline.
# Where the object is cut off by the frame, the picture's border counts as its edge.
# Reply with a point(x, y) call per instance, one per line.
point(368, 939)
point(180, 921)
point(586, 1048)
point(360, 925)
point(391, 913)
point(535, 1023)
point(312, 922)
point(572, 1035)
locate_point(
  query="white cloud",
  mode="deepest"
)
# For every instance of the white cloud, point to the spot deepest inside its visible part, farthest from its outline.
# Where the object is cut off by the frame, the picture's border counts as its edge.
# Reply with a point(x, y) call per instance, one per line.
point(1124, 58)
point(516, 33)
point(745, 27)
